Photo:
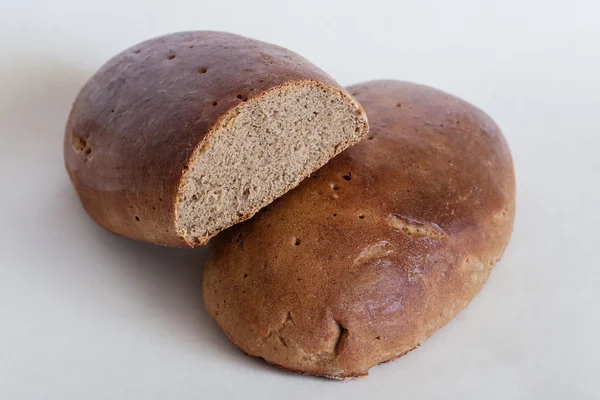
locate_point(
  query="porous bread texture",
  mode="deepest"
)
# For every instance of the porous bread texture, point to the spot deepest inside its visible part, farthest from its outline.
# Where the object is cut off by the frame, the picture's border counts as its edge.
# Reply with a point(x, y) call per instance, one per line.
point(262, 149)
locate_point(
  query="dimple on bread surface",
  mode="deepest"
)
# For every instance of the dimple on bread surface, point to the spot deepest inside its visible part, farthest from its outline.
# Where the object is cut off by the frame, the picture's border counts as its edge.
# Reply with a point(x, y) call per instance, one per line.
point(379, 248)
point(140, 127)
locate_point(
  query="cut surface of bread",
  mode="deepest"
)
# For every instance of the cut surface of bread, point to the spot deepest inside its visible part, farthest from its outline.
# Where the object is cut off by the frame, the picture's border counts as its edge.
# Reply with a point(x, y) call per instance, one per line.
point(184, 135)
point(260, 150)
point(378, 249)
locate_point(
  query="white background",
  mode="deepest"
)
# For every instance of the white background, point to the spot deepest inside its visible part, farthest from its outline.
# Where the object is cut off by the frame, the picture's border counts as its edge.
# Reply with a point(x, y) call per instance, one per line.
point(88, 315)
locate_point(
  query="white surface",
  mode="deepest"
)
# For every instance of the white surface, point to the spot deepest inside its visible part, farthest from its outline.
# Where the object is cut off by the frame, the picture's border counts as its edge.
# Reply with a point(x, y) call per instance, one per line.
point(88, 315)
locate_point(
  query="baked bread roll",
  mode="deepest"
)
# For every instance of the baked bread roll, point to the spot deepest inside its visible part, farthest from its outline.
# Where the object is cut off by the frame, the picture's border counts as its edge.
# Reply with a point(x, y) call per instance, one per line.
point(184, 135)
point(379, 248)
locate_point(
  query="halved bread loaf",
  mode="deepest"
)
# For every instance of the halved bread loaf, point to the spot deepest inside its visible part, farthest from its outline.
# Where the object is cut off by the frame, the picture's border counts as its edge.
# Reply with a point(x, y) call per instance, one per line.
point(182, 136)
point(379, 248)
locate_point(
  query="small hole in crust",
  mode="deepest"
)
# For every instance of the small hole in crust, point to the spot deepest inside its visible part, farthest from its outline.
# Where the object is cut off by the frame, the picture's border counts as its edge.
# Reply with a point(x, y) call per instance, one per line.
point(242, 97)
point(239, 240)
point(172, 56)
point(214, 103)
point(202, 70)
point(296, 242)
point(80, 145)
point(137, 51)
point(137, 218)
point(398, 105)
point(334, 186)
point(191, 46)
point(378, 338)
point(334, 214)
point(371, 137)
point(361, 216)
point(347, 177)
point(245, 275)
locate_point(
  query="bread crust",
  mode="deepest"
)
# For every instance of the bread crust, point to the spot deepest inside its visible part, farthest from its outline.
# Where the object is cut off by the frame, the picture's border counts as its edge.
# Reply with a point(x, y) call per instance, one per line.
point(139, 121)
point(379, 248)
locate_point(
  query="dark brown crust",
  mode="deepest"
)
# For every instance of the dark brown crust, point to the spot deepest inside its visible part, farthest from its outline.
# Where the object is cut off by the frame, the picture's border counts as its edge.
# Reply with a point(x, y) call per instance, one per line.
point(379, 249)
point(137, 121)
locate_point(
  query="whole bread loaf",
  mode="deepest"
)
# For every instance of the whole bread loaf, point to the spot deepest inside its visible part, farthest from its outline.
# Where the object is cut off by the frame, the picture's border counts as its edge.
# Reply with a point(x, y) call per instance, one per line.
point(184, 135)
point(379, 248)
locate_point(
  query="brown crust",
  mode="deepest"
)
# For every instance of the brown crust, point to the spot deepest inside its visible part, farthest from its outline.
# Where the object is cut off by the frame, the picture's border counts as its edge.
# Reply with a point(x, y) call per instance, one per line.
point(339, 378)
point(379, 249)
point(137, 122)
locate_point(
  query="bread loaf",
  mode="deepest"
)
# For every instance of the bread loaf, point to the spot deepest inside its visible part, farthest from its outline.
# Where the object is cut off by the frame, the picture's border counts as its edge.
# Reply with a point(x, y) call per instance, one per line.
point(379, 248)
point(184, 135)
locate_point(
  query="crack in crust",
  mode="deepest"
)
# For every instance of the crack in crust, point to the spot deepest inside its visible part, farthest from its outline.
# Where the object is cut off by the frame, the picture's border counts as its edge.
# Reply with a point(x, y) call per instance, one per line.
point(341, 338)
point(414, 228)
point(376, 251)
